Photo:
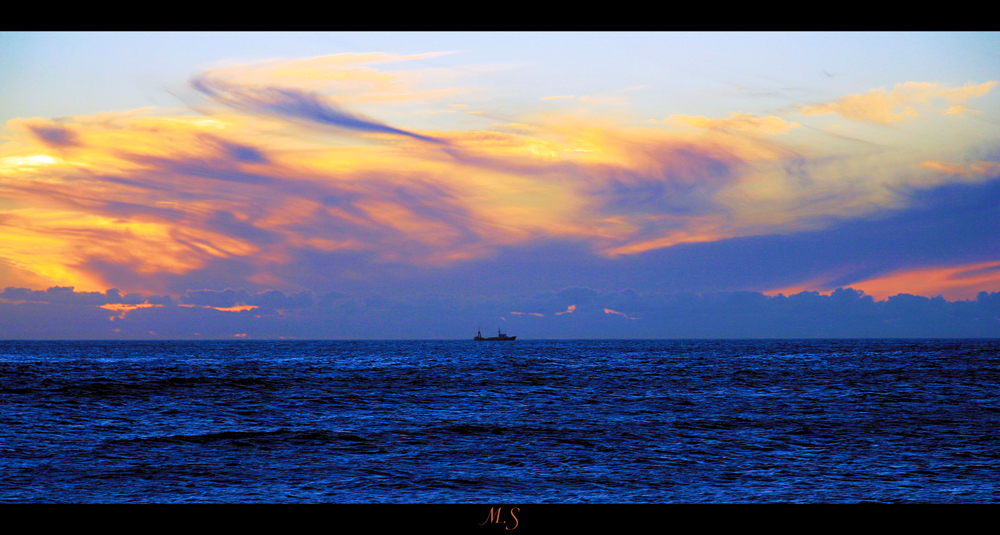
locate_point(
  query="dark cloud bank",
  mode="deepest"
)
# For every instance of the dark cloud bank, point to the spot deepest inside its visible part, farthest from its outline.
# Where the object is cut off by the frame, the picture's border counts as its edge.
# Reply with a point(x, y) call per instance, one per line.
point(61, 313)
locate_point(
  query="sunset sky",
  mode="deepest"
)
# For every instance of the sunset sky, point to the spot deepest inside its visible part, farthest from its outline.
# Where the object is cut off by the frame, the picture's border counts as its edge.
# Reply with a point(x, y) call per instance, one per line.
point(459, 180)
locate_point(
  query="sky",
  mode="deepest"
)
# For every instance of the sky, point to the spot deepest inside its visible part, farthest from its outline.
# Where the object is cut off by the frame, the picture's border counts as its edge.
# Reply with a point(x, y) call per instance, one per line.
point(552, 185)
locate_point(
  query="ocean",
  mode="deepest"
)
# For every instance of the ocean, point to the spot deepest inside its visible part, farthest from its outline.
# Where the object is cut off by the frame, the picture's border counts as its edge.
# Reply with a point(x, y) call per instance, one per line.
point(524, 422)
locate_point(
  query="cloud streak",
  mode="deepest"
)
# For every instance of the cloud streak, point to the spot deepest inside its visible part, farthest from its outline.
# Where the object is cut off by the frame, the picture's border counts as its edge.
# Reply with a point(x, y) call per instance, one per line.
point(296, 105)
point(738, 122)
point(904, 102)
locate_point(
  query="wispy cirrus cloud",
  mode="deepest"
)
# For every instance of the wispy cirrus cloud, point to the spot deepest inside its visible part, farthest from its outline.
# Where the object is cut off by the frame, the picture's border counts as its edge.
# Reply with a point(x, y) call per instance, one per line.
point(970, 169)
point(352, 76)
point(293, 104)
point(165, 198)
point(256, 192)
point(737, 122)
point(905, 101)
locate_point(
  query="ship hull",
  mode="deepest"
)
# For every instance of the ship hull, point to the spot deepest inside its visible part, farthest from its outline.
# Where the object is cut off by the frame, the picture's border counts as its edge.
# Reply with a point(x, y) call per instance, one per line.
point(500, 337)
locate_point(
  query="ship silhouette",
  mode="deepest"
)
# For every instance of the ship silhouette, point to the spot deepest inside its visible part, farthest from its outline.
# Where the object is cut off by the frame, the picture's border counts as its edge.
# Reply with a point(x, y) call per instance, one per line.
point(499, 337)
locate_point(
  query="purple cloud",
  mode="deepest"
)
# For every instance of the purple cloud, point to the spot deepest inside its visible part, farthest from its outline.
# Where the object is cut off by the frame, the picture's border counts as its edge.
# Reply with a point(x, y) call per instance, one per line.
point(294, 104)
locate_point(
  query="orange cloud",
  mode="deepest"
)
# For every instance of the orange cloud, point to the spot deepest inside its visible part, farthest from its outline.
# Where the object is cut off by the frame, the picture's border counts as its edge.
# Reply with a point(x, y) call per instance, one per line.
point(624, 315)
point(170, 195)
point(738, 122)
point(237, 308)
point(972, 170)
point(952, 282)
point(124, 309)
point(144, 194)
point(883, 107)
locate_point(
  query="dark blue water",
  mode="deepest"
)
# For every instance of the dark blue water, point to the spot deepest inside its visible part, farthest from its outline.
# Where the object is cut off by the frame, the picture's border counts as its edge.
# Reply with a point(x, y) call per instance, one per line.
point(522, 422)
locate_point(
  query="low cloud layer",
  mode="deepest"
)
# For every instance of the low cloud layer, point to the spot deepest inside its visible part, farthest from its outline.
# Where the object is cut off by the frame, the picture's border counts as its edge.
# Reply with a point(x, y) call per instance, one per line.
point(566, 314)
